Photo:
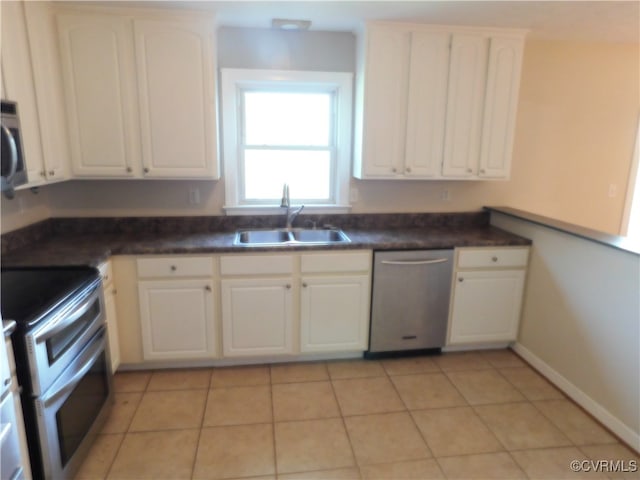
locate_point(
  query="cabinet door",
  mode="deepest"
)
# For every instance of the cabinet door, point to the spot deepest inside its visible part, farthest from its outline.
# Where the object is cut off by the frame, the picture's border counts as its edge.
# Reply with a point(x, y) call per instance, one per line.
point(486, 306)
point(465, 101)
point(501, 103)
point(47, 78)
point(256, 316)
point(18, 86)
point(427, 104)
point(176, 92)
point(334, 313)
point(385, 104)
point(112, 326)
point(177, 319)
point(98, 75)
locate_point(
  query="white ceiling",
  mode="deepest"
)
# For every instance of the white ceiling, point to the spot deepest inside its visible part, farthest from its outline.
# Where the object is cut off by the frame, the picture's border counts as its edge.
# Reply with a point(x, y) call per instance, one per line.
point(609, 21)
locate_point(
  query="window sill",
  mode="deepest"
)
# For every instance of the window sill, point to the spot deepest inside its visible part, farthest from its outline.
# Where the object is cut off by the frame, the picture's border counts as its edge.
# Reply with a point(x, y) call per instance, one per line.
point(271, 210)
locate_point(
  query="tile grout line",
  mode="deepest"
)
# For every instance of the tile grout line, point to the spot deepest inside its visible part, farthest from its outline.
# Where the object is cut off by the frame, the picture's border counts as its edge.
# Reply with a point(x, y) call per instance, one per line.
point(200, 430)
point(344, 424)
point(273, 423)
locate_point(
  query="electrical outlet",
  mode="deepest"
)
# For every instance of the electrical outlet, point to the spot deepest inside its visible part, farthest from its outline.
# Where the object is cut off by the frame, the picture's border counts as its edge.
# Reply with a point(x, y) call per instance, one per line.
point(194, 196)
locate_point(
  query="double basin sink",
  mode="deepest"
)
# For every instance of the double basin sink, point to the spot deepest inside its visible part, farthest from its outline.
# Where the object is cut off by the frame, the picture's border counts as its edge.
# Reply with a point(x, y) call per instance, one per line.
point(285, 237)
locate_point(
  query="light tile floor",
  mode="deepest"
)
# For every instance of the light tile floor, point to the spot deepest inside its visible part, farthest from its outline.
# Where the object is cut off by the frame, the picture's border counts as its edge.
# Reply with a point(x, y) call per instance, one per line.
point(458, 415)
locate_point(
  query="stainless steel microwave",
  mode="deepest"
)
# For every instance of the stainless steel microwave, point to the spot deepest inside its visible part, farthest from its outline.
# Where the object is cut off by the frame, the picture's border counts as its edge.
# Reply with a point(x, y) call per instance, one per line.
point(14, 171)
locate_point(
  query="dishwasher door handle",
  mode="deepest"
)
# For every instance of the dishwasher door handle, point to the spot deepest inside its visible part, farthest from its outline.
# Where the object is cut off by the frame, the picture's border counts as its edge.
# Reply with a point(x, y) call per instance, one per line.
point(414, 262)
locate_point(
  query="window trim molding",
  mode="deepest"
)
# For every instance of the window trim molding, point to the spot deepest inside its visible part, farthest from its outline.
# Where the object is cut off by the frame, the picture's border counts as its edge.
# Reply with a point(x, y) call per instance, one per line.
point(233, 80)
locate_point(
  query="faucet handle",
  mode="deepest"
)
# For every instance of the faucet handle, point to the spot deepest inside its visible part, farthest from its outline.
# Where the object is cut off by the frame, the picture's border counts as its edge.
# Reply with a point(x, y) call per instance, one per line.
point(285, 196)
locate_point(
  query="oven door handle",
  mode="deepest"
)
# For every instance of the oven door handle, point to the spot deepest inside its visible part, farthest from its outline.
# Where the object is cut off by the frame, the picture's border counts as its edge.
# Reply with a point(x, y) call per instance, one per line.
point(96, 350)
point(63, 322)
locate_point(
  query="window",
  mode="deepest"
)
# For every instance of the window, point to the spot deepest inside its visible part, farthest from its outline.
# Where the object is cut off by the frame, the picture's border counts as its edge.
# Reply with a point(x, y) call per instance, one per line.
point(286, 127)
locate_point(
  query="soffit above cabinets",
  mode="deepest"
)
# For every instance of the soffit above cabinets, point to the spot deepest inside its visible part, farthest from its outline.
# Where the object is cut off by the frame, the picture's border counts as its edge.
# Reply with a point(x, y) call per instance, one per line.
point(596, 21)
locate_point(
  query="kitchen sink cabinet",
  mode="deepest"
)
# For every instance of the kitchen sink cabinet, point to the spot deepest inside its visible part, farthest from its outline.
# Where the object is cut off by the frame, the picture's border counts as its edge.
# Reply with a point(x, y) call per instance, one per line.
point(257, 304)
point(140, 93)
point(436, 102)
point(276, 304)
point(177, 308)
point(257, 315)
point(487, 295)
point(334, 301)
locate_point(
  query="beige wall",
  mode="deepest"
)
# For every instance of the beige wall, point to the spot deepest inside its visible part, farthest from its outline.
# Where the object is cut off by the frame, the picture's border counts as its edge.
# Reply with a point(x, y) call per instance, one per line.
point(577, 116)
point(579, 323)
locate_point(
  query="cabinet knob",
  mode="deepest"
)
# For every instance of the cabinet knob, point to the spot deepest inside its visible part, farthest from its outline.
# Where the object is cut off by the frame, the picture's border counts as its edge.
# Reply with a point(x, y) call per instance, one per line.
point(288, 285)
point(494, 259)
point(129, 169)
point(114, 291)
point(394, 170)
point(207, 288)
point(146, 170)
point(408, 169)
point(173, 268)
point(52, 173)
point(304, 284)
point(482, 170)
point(469, 170)
point(460, 279)
point(43, 173)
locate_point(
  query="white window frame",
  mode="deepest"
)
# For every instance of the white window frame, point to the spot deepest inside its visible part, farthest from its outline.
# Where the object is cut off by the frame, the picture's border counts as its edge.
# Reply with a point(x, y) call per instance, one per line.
point(234, 81)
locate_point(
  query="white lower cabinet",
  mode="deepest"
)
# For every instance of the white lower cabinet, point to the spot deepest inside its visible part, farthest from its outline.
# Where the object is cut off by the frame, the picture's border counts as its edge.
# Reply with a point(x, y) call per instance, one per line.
point(257, 316)
point(334, 313)
point(487, 295)
point(109, 291)
point(176, 308)
point(275, 304)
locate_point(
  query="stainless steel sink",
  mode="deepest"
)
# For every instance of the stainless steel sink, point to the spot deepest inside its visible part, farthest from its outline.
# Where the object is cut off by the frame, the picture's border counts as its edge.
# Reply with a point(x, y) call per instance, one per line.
point(303, 236)
point(261, 237)
point(320, 236)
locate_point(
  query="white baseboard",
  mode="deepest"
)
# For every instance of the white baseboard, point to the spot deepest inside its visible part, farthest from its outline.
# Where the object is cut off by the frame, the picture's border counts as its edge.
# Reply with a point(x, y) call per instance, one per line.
point(623, 432)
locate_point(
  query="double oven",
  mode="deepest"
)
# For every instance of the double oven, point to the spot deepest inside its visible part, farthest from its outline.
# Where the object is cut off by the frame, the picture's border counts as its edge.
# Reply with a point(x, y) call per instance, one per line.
point(62, 360)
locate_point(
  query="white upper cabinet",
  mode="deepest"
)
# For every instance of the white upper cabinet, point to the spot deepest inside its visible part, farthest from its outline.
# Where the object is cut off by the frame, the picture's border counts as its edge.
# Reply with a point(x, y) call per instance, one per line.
point(503, 85)
point(176, 96)
point(465, 100)
point(140, 93)
point(97, 66)
point(436, 102)
point(385, 104)
point(30, 78)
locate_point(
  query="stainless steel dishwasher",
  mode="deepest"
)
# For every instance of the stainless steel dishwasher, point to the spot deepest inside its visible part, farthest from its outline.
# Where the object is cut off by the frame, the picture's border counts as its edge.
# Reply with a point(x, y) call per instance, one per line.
point(410, 300)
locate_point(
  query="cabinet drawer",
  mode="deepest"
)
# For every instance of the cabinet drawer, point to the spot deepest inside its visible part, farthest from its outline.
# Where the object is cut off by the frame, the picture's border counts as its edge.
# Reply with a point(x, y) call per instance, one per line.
point(106, 273)
point(336, 262)
point(256, 264)
point(175, 267)
point(493, 257)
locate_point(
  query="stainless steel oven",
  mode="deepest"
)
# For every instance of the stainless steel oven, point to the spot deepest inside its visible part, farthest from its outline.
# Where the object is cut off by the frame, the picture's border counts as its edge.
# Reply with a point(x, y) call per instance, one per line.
point(63, 365)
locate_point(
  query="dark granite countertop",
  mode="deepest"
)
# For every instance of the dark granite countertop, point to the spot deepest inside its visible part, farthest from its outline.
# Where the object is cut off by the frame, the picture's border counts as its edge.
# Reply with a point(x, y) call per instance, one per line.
point(627, 244)
point(79, 247)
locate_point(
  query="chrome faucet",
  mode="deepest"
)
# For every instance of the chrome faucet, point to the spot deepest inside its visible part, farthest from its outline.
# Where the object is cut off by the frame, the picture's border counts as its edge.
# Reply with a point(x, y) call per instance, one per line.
point(292, 213)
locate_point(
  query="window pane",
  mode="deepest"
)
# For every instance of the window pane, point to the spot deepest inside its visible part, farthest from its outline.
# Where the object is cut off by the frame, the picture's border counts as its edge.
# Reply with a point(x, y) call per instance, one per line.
point(308, 174)
point(277, 118)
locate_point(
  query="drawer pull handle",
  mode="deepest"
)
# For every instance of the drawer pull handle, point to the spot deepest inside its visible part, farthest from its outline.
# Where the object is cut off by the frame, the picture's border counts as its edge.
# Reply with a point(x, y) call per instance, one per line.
point(173, 268)
point(409, 337)
point(460, 279)
point(304, 285)
point(207, 288)
point(494, 259)
point(288, 285)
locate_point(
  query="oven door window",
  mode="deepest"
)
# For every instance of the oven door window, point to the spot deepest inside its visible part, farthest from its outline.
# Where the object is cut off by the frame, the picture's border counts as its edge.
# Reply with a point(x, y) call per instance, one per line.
point(76, 415)
point(59, 343)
